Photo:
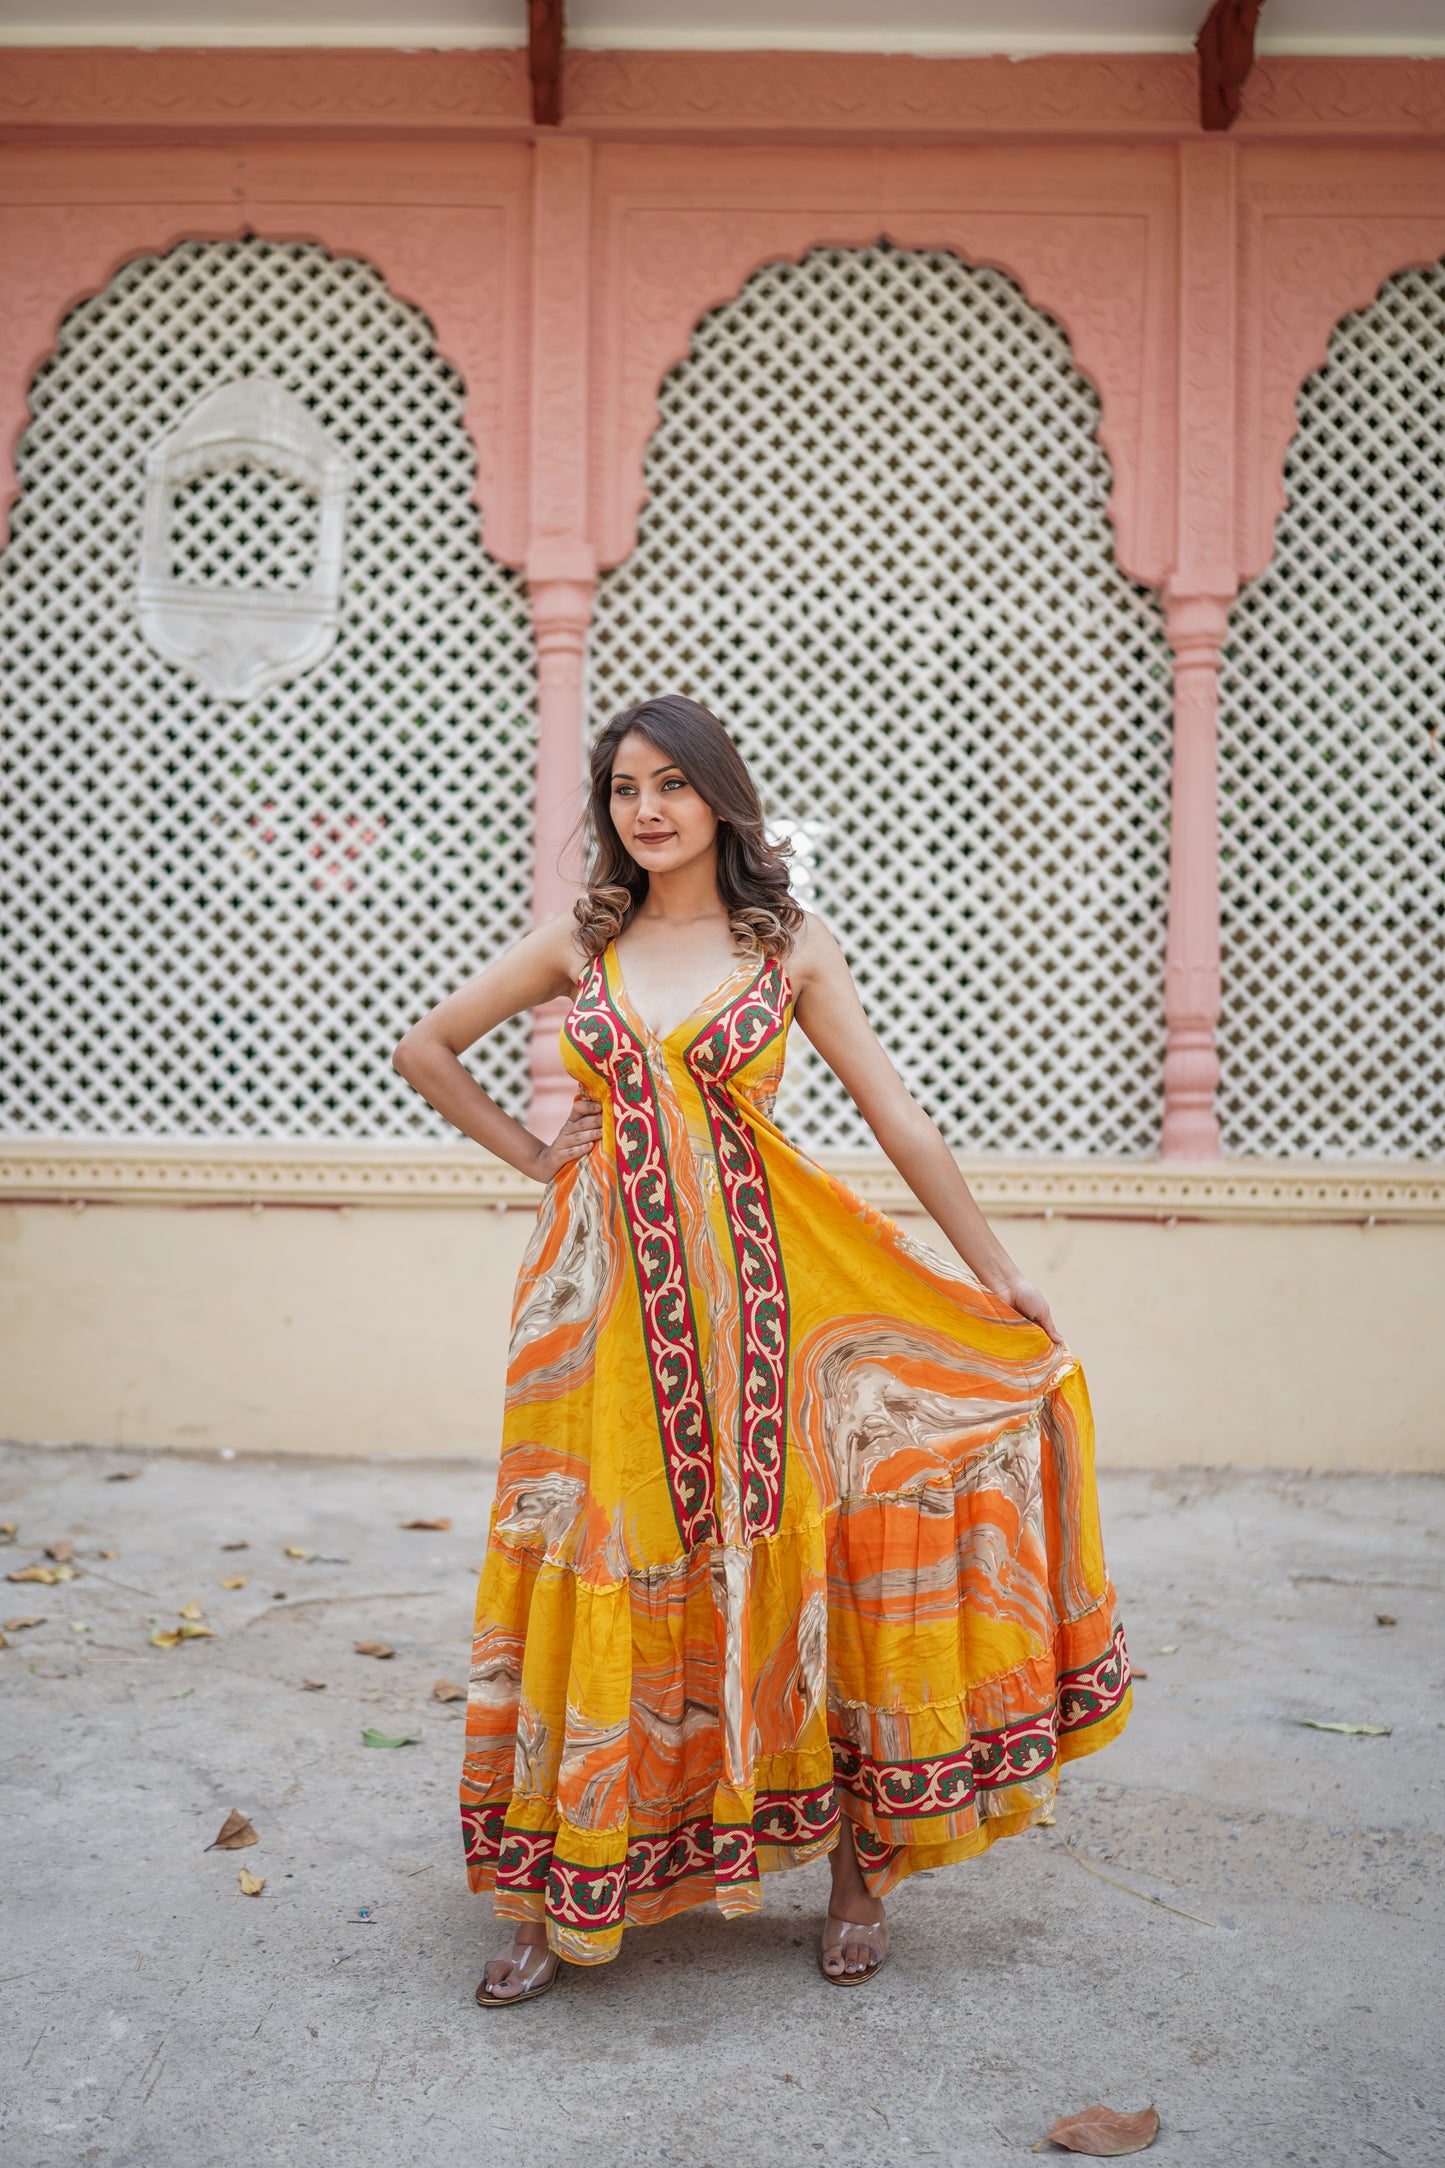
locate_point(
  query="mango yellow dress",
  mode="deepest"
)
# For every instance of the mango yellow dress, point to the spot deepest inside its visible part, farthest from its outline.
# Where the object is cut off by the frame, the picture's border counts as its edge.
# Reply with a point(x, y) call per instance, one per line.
point(794, 1518)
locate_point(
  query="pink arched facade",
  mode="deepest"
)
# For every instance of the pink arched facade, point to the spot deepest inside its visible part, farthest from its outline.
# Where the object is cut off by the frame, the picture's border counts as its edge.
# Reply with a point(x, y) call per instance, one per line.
point(1198, 278)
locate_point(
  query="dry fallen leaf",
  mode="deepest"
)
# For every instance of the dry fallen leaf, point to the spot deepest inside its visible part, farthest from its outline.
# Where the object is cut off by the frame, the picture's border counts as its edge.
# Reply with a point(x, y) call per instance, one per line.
point(372, 1737)
point(1104, 2132)
point(107, 1554)
point(18, 1625)
point(442, 1523)
point(123, 1475)
point(234, 1833)
point(166, 1637)
point(294, 1550)
point(1363, 1731)
point(191, 1610)
point(374, 1648)
point(313, 1686)
point(7, 1531)
point(251, 1885)
point(191, 1631)
point(235, 1580)
point(1136, 1673)
point(60, 1551)
point(1383, 1618)
point(1170, 1648)
point(241, 1546)
point(48, 1575)
point(4, 1644)
point(448, 1690)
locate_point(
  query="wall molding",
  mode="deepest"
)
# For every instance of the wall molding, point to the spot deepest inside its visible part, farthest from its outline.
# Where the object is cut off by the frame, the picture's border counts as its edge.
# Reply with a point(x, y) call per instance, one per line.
point(78, 1171)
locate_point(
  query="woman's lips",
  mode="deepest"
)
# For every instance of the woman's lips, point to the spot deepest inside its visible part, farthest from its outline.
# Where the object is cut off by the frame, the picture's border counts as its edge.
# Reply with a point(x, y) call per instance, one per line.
point(659, 838)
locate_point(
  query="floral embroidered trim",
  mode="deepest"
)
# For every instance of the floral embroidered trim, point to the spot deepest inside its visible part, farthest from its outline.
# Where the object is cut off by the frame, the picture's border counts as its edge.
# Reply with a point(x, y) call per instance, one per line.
point(744, 1028)
point(594, 1898)
point(947, 1784)
point(606, 1041)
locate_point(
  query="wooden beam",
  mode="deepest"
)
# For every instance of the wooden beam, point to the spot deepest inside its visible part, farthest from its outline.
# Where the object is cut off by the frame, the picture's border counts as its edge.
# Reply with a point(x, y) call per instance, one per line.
point(1225, 45)
point(546, 34)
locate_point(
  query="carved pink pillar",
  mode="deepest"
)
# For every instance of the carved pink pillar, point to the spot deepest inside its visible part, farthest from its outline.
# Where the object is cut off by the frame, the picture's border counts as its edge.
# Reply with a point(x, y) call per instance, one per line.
point(561, 613)
point(1197, 626)
point(561, 561)
point(1196, 598)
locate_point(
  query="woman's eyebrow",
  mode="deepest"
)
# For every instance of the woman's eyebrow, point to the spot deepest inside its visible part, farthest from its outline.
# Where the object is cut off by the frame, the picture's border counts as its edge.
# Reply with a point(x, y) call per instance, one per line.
point(625, 775)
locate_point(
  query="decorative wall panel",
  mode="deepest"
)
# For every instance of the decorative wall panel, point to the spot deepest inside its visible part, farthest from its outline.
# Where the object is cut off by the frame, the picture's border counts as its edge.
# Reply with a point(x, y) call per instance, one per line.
point(1332, 772)
point(221, 916)
point(875, 544)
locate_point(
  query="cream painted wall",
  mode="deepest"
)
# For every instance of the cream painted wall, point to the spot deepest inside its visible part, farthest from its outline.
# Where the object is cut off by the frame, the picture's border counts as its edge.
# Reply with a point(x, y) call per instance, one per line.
point(369, 1331)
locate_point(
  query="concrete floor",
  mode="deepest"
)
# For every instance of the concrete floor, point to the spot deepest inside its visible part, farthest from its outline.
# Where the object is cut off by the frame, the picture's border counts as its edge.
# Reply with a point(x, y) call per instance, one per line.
point(1277, 2000)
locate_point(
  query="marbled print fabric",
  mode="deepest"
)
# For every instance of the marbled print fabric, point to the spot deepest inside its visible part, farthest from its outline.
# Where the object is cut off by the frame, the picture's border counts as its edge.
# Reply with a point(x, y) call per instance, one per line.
point(794, 1518)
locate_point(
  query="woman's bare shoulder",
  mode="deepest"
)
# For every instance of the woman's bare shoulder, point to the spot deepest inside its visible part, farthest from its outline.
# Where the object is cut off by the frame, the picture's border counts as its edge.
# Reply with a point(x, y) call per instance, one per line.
point(815, 952)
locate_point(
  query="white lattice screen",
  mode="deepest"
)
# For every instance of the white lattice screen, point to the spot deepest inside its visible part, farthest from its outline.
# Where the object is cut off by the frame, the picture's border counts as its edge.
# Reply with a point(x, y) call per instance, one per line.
point(1332, 777)
point(876, 546)
point(220, 917)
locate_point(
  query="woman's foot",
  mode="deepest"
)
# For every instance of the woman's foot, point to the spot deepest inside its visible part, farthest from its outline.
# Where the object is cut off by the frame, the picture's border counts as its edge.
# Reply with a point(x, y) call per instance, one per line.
point(855, 1938)
point(522, 1973)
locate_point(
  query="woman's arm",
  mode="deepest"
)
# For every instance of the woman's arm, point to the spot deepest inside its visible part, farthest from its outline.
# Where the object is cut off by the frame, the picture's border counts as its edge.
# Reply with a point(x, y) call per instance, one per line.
point(834, 1021)
point(544, 964)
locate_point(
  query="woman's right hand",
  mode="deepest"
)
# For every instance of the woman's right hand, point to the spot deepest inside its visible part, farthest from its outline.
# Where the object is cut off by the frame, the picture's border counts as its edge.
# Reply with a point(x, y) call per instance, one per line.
point(581, 1130)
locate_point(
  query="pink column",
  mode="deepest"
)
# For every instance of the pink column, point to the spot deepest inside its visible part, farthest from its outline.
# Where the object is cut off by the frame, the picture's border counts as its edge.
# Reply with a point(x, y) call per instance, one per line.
point(561, 561)
point(1197, 596)
point(1197, 626)
point(561, 594)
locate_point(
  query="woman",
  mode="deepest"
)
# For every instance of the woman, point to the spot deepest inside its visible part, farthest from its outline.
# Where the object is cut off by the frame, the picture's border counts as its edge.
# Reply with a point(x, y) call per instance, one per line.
point(795, 1547)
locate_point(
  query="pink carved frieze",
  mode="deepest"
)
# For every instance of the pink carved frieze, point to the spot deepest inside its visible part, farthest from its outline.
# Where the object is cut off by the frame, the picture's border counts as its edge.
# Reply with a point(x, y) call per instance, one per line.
point(900, 95)
point(448, 235)
point(1318, 238)
point(1088, 235)
point(259, 88)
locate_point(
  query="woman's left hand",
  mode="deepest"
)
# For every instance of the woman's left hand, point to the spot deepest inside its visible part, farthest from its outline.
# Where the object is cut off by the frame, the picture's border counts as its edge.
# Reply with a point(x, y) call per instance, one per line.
point(1029, 1301)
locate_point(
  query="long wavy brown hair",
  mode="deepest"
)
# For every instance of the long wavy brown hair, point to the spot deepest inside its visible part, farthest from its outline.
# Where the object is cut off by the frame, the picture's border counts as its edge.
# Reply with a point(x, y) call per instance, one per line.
point(752, 872)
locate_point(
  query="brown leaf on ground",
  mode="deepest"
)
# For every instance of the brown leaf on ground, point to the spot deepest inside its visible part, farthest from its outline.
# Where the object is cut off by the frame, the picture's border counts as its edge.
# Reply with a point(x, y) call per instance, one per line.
point(1136, 1673)
point(192, 1630)
point(18, 1625)
point(294, 1550)
point(4, 1644)
point(61, 1550)
point(1104, 2132)
point(234, 1833)
point(250, 1885)
point(191, 1610)
point(1383, 1618)
point(107, 1554)
point(241, 1546)
point(442, 1523)
point(448, 1690)
point(49, 1575)
point(123, 1475)
point(234, 1580)
point(313, 1686)
point(166, 1637)
point(7, 1531)
point(374, 1648)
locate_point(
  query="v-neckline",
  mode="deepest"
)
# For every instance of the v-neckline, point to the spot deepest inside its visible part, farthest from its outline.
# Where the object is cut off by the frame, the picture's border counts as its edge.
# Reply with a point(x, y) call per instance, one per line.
point(661, 1038)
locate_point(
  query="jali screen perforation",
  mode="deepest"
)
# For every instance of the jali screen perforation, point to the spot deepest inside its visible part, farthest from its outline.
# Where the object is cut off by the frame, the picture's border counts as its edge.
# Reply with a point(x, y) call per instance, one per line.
point(876, 545)
point(1332, 772)
point(220, 917)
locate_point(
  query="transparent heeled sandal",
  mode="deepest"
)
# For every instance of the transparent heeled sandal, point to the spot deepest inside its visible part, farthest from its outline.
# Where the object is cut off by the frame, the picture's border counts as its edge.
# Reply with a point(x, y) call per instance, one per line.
point(534, 1966)
point(837, 1932)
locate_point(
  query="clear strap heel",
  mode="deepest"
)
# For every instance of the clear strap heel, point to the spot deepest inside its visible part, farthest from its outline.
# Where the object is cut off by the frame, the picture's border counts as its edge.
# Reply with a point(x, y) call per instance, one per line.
point(534, 1970)
point(837, 1933)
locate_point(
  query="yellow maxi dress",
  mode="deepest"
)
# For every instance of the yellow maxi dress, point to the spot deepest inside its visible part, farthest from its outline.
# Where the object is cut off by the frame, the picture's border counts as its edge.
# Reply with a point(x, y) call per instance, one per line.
point(794, 1518)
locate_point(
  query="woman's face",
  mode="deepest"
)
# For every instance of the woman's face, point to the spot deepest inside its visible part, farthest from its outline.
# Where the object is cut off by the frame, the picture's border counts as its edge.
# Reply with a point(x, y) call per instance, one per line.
point(661, 819)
